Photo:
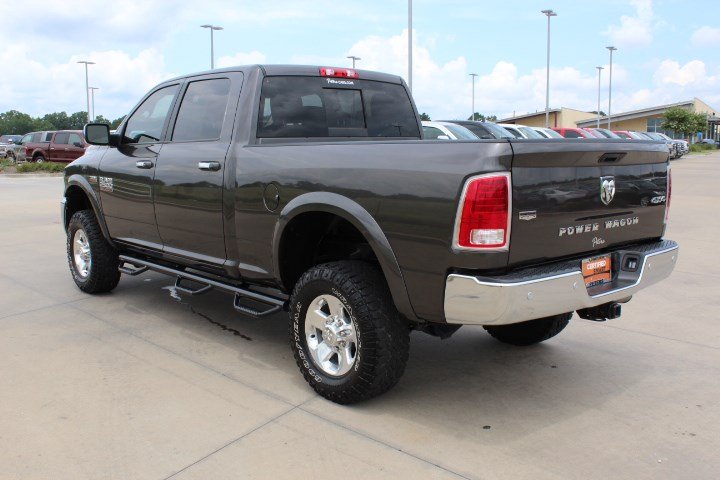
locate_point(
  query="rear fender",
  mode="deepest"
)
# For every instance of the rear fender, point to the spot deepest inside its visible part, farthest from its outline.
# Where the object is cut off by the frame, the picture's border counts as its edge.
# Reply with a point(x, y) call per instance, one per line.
point(362, 220)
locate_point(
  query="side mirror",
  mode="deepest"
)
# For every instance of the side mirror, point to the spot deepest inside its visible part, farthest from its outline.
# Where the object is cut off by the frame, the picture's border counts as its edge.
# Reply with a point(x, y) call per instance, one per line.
point(443, 137)
point(97, 133)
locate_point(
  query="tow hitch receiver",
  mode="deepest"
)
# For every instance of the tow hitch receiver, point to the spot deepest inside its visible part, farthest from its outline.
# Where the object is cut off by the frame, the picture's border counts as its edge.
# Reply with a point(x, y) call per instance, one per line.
point(600, 313)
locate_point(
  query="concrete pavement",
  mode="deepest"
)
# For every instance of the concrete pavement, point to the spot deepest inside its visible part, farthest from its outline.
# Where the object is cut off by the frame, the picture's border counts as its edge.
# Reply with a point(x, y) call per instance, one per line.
point(135, 384)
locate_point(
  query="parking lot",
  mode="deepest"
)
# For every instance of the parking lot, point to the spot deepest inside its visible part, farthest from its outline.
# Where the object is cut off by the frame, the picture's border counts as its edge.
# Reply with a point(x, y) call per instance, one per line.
point(137, 384)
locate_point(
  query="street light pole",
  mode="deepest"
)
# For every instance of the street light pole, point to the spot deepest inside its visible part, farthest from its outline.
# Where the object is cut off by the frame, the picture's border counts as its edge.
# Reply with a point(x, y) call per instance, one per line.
point(612, 49)
point(473, 75)
point(212, 43)
point(548, 13)
point(87, 91)
point(599, 69)
point(354, 59)
point(410, 69)
point(92, 94)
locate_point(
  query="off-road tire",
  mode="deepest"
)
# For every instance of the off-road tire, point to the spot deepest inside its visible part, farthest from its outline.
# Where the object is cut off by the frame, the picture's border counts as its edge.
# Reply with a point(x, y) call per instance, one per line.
point(383, 334)
point(103, 275)
point(530, 332)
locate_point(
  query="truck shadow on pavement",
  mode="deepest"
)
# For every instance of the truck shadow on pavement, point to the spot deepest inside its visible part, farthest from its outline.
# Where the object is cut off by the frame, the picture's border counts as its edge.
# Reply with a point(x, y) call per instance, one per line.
point(469, 385)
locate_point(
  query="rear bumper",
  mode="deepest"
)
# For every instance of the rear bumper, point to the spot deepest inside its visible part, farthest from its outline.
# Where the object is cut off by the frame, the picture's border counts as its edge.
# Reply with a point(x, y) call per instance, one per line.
point(550, 290)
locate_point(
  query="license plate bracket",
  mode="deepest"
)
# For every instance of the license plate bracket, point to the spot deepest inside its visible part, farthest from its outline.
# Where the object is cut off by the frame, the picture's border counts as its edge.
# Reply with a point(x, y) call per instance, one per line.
point(597, 270)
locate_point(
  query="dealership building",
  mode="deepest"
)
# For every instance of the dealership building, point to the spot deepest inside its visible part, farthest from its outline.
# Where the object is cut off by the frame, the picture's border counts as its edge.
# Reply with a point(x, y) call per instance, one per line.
point(643, 120)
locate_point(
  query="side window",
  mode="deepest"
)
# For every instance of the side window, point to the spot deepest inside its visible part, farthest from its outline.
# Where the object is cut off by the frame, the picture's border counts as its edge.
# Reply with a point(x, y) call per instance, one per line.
point(27, 138)
point(572, 134)
point(36, 137)
point(75, 140)
point(62, 138)
point(432, 133)
point(47, 136)
point(146, 123)
point(202, 110)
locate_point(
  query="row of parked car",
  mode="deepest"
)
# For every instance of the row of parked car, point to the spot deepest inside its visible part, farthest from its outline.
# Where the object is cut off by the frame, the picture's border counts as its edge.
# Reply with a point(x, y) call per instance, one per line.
point(468, 129)
point(47, 146)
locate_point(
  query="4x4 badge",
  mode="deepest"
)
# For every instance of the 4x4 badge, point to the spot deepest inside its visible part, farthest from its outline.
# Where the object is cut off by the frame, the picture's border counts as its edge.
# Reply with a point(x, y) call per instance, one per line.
point(607, 189)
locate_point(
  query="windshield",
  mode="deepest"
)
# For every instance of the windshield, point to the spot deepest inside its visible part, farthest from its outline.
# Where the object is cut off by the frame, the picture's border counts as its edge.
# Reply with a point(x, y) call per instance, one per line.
point(499, 132)
point(514, 131)
point(460, 132)
point(551, 133)
point(529, 132)
point(623, 135)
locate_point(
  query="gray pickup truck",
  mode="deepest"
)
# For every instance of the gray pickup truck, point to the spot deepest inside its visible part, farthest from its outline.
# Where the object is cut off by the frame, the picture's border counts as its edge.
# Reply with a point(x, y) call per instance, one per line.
point(311, 190)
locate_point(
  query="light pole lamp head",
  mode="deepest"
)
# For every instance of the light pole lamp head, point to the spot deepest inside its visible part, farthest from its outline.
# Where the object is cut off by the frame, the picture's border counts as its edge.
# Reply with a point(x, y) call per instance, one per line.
point(612, 49)
point(600, 68)
point(212, 27)
point(86, 62)
point(549, 13)
point(473, 75)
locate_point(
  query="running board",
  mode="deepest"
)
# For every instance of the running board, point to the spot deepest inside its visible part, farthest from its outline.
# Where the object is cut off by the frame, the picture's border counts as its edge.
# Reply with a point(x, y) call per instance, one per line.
point(138, 266)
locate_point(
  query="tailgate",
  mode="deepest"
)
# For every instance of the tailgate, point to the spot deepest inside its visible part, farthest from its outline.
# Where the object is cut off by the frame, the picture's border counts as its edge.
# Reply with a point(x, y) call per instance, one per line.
point(563, 200)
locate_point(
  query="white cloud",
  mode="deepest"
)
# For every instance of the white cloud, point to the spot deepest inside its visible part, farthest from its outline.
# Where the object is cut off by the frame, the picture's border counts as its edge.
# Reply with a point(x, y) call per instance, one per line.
point(37, 88)
point(241, 58)
point(636, 30)
point(692, 73)
point(706, 37)
point(444, 90)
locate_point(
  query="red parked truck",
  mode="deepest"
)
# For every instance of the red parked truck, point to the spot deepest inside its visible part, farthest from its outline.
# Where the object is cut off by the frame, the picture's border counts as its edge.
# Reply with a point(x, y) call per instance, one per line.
point(61, 146)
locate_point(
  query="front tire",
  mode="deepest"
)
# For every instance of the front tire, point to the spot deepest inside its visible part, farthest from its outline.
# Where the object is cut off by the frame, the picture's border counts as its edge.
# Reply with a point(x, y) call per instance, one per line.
point(93, 261)
point(39, 159)
point(531, 332)
point(349, 341)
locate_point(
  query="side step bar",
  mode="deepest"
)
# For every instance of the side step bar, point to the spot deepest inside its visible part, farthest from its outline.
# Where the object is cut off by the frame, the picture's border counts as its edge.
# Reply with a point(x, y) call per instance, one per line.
point(138, 266)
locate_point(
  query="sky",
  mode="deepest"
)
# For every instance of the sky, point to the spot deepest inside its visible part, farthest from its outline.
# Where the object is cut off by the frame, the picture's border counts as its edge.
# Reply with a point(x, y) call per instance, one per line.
point(668, 50)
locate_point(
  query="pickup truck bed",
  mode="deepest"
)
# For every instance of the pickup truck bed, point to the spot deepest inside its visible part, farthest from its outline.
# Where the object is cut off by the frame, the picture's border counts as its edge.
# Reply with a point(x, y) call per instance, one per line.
point(311, 189)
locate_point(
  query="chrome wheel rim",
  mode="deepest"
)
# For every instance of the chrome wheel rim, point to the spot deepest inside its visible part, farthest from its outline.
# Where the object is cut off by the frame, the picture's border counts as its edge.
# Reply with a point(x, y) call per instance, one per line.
point(81, 253)
point(331, 336)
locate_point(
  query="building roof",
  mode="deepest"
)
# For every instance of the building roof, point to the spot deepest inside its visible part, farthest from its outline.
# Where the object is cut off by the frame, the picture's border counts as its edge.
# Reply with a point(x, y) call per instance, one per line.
point(643, 112)
point(541, 112)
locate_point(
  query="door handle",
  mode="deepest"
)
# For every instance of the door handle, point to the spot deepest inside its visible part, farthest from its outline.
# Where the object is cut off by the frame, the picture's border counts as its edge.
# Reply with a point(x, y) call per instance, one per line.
point(210, 166)
point(144, 164)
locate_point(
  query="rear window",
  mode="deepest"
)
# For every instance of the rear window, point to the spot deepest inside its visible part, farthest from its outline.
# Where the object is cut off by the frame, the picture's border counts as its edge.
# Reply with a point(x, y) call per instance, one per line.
point(316, 107)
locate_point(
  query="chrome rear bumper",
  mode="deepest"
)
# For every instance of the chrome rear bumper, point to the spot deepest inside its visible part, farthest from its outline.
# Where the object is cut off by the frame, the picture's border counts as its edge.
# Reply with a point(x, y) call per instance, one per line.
point(512, 298)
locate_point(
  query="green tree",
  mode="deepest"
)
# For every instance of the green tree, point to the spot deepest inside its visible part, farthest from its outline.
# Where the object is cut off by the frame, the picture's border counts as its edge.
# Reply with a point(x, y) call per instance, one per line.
point(684, 121)
point(58, 120)
point(477, 116)
point(77, 120)
point(116, 123)
point(15, 123)
point(424, 117)
point(101, 119)
point(491, 118)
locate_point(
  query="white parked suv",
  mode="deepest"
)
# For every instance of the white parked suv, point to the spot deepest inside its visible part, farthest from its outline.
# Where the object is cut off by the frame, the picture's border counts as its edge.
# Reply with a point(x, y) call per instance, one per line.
point(446, 131)
point(520, 131)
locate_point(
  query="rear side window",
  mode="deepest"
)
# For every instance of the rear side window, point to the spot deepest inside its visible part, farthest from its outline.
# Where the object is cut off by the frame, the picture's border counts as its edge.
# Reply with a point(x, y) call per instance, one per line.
point(62, 138)
point(202, 110)
point(75, 139)
point(312, 107)
point(47, 136)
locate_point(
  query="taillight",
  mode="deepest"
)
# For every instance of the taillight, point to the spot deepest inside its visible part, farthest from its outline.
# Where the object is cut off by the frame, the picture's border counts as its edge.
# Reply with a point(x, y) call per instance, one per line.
point(669, 194)
point(339, 72)
point(483, 220)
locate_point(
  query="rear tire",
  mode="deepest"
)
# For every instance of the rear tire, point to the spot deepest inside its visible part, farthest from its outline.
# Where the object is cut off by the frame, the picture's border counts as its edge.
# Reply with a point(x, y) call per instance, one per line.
point(530, 332)
point(93, 261)
point(349, 341)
